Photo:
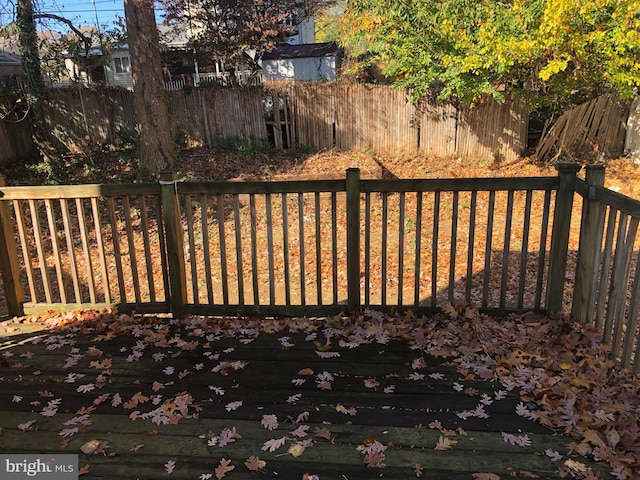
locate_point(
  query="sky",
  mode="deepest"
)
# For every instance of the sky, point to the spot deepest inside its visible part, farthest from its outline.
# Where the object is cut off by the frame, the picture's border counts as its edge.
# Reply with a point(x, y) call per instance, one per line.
point(104, 13)
point(83, 12)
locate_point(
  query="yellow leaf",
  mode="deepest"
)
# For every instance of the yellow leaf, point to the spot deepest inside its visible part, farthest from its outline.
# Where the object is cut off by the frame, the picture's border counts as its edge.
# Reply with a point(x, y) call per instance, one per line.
point(296, 450)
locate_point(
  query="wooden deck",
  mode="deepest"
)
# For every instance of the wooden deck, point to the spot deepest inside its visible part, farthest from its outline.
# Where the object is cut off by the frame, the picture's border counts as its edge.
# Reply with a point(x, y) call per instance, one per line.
point(332, 408)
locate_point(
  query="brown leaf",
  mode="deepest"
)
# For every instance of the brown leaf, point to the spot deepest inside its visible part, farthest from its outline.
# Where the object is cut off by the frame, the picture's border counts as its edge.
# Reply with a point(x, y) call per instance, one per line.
point(445, 443)
point(613, 437)
point(592, 437)
point(371, 383)
point(322, 432)
point(486, 476)
point(255, 464)
point(224, 468)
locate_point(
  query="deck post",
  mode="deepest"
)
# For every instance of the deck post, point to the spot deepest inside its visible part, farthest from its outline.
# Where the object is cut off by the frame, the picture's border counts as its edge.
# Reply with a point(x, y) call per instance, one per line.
point(175, 242)
point(586, 269)
point(353, 239)
point(9, 264)
point(560, 235)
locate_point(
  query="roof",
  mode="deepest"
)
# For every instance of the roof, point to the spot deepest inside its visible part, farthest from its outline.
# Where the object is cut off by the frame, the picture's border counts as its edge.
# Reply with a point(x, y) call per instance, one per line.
point(328, 49)
point(8, 58)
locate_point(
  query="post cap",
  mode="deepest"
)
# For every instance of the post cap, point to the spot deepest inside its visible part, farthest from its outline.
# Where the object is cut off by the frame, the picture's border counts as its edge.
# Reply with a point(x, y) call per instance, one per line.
point(567, 167)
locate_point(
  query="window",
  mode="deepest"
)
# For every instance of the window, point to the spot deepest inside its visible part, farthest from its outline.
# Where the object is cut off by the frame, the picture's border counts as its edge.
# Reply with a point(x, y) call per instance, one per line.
point(122, 64)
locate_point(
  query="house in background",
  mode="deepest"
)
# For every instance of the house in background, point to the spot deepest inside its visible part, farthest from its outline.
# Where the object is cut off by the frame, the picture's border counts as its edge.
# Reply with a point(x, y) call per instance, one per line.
point(306, 62)
point(298, 59)
point(11, 71)
point(118, 73)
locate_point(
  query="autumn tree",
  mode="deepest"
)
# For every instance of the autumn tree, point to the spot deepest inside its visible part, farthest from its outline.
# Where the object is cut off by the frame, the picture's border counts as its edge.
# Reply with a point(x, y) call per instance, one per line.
point(152, 115)
point(228, 29)
point(552, 52)
point(328, 23)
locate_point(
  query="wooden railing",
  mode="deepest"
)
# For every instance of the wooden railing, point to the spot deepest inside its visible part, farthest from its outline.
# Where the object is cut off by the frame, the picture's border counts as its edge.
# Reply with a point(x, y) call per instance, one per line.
point(325, 246)
point(607, 289)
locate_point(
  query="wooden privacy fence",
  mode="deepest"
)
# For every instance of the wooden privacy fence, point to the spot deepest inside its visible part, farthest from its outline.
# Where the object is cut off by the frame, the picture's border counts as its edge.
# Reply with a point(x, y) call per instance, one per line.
point(324, 246)
point(300, 115)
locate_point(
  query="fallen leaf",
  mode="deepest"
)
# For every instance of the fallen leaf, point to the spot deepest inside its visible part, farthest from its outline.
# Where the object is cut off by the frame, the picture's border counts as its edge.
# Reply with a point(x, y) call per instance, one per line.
point(273, 444)
point(94, 446)
point(224, 468)
point(445, 443)
point(296, 450)
point(28, 426)
point(269, 422)
point(371, 382)
point(255, 464)
point(613, 437)
point(322, 432)
point(170, 466)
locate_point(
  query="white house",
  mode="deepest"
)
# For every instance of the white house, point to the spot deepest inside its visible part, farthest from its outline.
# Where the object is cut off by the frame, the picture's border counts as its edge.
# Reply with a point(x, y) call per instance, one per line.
point(307, 62)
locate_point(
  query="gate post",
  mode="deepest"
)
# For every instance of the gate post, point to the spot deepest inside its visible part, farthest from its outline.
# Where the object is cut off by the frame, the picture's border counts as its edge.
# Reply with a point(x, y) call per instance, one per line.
point(353, 239)
point(175, 242)
point(588, 251)
point(560, 235)
point(9, 266)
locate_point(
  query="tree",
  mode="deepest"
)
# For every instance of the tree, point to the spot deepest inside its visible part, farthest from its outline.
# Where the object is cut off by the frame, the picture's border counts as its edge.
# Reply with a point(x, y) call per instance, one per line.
point(228, 29)
point(28, 41)
point(152, 116)
point(328, 23)
point(553, 52)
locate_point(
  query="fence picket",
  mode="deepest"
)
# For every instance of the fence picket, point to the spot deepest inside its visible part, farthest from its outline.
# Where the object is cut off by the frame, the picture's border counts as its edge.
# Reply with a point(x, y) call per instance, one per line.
point(524, 252)
point(97, 225)
point(434, 248)
point(605, 270)
point(487, 252)
point(84, 233)
point(55, 246)
point(506, 249)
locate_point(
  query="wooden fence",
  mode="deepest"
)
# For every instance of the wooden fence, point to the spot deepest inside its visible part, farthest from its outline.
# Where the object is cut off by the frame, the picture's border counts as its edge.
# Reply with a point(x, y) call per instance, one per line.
point(326, 246)
point(376, 118)
point(594, 130)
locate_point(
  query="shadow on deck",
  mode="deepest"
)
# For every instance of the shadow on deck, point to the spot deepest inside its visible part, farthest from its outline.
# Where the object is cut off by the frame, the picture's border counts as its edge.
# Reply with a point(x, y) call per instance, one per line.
point(356, 407)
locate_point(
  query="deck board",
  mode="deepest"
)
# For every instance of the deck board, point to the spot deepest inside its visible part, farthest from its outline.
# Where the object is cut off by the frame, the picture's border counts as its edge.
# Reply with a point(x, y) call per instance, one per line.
point(398, 418)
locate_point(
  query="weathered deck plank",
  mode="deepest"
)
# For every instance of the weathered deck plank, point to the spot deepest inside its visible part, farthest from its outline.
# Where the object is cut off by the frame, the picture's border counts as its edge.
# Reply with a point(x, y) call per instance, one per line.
point(354, 411)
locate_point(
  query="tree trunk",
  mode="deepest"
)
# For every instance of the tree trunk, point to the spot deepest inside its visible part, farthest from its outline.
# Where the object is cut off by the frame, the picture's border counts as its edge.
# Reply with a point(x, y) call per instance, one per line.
point(30, 54)
point(152, 115)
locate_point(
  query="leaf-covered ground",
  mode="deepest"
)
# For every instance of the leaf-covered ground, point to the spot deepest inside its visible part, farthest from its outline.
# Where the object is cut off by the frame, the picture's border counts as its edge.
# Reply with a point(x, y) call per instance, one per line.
point(562, 372)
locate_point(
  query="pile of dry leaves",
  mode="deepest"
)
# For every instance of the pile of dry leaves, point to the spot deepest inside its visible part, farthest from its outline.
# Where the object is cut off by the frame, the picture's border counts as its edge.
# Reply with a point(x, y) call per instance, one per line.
point(565, 376)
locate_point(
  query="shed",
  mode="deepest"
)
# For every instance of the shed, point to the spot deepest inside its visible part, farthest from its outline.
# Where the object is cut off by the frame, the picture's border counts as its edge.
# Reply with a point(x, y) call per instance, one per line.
point(314, 61)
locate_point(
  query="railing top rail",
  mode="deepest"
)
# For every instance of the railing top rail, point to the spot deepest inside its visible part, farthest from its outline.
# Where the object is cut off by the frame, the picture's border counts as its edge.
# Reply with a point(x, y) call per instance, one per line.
point(293, 186)
point(54, 192)
point(459, 184)
point(609, 197)
point(285, 186)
